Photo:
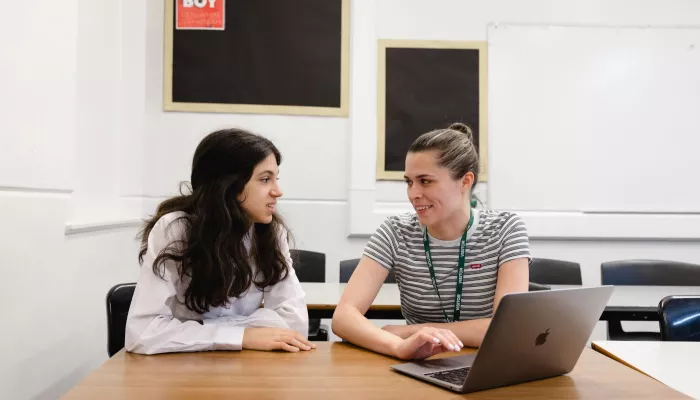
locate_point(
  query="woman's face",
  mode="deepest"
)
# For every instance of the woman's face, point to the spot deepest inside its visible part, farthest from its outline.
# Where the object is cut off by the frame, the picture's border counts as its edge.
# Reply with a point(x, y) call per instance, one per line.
point(259, 196)
point(432, 191)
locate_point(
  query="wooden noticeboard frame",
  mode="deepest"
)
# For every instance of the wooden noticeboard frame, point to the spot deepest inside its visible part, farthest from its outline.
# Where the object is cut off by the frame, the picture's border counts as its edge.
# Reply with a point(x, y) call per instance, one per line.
point(411, 70)
point(341, 76)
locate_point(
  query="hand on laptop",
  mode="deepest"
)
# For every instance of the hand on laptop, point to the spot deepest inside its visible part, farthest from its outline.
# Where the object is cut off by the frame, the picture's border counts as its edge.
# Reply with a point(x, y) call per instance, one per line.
point(426, 342)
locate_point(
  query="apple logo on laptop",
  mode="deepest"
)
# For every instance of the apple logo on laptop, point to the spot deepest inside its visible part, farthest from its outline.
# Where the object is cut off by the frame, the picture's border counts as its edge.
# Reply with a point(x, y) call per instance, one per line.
point(541, 338)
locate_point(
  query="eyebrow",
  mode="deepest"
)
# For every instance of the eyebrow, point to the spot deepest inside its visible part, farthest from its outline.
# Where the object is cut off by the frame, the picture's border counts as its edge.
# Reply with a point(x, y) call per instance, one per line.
point(266, 172)
point(421, 176)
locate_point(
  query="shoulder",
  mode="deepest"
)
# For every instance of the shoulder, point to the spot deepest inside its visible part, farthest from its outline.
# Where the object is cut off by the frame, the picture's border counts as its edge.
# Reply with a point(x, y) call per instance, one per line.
point(405, 223)
point(170, 227)
point(400, 227)
point(282, 236)
point(499, 222)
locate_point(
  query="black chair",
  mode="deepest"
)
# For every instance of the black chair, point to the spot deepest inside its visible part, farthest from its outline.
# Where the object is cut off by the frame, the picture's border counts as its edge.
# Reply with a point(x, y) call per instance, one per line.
point(310, 266)
point(118, 302)
point(347, 267)
point(645, 273)
point(679, 318)
point(536, 287)
point(555, 272)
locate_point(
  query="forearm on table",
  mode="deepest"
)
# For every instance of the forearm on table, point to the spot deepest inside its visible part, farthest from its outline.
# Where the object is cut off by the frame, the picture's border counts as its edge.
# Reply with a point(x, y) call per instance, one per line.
point(351, 325)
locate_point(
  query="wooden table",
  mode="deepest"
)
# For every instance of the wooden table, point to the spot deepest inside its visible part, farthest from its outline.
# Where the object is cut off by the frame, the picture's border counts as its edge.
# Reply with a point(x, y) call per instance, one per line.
point(630, 303)
point(337, 371)
point(676, 364)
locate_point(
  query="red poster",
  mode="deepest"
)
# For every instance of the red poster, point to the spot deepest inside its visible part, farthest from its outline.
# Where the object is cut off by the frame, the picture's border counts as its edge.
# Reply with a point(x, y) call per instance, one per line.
point(200, 14)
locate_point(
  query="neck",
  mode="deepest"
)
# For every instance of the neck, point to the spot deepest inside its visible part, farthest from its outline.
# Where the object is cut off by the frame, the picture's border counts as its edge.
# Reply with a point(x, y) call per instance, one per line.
point(452, 227)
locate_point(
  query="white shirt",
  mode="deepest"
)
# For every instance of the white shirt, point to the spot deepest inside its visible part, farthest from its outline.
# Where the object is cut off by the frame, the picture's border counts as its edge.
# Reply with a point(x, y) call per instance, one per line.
point(160, 323)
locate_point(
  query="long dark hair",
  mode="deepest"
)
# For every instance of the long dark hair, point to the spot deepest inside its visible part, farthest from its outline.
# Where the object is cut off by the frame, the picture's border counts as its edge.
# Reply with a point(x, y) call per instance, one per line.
point(212, 253)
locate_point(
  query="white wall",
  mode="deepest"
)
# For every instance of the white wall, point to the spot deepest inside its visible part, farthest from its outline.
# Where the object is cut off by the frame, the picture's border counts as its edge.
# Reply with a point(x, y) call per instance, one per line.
point(58, 96)
point(37, 82)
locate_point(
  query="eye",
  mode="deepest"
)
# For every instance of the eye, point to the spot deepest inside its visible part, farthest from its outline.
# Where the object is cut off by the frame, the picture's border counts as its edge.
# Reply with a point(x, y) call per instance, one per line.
point(408, 182)
point(424, 181)
point(266, 179)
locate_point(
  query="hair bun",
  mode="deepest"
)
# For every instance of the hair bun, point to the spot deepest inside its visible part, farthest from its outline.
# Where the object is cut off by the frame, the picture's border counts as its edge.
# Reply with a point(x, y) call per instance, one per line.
point(460, 127)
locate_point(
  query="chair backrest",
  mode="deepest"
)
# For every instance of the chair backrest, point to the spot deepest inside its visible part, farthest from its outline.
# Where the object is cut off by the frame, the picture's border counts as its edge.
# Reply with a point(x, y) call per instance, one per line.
point(555, 272)
point(536, 287)
point(649, 273)
point(118, 302)
point(680, 318)
point(309, 266)
point(347, 267)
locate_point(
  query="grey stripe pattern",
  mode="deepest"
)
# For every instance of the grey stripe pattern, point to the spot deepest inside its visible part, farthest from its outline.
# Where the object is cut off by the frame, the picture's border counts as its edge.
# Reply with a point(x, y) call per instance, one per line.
point(496, 238)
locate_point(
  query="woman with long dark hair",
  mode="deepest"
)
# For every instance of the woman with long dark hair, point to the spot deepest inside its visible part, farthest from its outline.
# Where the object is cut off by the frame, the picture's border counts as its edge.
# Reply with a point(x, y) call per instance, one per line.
point(213, 255)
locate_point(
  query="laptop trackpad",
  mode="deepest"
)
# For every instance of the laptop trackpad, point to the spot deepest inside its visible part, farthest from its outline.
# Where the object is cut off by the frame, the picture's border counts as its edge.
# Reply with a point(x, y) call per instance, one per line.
point(444, 363)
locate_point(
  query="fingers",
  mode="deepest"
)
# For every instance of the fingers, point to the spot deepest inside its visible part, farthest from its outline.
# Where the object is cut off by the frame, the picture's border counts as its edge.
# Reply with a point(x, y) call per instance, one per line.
point(452, 338)
point(437, 349)
point(447, 341)
point(295, 340)
point(446, 337)
point(456, 339)
point(297, 343)
point(286, 347)
point(305, 341)
point(426, 337)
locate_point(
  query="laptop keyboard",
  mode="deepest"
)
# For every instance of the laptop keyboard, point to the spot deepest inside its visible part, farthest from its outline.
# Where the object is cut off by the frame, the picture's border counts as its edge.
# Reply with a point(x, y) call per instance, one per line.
point(453, 376)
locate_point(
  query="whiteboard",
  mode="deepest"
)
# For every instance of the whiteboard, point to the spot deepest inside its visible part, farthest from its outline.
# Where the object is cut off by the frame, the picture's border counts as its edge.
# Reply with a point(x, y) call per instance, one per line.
point(594, 119)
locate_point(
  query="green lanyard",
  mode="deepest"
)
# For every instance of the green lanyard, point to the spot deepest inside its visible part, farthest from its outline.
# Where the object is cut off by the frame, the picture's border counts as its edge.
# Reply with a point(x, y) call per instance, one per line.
point(460, 269)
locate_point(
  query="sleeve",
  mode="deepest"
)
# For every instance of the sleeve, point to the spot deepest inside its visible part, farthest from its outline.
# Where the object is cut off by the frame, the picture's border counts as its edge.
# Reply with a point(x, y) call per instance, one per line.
point(515, 242)
point(151, 327)
point(287, 298)
point(382, 245)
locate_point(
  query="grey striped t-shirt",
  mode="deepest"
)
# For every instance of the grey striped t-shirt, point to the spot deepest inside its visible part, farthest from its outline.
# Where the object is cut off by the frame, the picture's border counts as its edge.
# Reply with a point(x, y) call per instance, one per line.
point(494, 238)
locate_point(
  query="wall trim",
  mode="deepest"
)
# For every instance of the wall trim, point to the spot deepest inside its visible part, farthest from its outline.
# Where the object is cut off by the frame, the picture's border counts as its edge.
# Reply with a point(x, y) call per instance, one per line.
point(74, 228)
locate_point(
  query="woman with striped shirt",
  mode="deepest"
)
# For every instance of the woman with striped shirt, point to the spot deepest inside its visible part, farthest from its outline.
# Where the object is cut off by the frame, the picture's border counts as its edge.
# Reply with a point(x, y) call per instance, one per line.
point(452, 263)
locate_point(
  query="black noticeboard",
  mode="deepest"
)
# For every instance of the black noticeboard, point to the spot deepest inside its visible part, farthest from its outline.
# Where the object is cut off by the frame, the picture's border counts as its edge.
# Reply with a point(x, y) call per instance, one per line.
point(427, 85)
point(270, 56)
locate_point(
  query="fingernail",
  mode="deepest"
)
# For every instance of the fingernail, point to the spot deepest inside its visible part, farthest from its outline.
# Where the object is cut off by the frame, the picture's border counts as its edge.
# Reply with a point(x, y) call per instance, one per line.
point(451, 347)
point(436, 340)
point(461, 344)
point(457, 349)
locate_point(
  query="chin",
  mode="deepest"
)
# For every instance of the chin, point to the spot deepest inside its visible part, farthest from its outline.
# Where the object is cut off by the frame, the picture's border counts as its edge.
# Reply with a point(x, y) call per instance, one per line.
point(429, 220)
point(265, 220)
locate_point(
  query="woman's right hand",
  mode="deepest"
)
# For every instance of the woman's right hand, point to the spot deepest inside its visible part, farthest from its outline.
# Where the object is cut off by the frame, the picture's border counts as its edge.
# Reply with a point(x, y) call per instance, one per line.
point(427, 342)
point(268, 339)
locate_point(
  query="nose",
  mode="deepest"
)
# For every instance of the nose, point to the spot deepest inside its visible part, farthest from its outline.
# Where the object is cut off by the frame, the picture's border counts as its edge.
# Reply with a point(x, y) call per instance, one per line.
point(276, 191)
point(414, 192)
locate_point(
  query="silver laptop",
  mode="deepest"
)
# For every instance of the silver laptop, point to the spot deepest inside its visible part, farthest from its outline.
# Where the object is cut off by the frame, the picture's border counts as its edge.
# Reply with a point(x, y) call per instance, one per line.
point(533, 335)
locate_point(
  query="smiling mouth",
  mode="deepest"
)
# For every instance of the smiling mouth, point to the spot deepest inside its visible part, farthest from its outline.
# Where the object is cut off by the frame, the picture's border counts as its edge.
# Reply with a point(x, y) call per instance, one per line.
point(271, 207)
point(421, 209)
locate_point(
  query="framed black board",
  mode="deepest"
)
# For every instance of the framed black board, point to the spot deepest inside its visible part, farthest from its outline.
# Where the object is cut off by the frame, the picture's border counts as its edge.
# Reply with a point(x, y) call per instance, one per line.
point(270, 56)
point(426, 85)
